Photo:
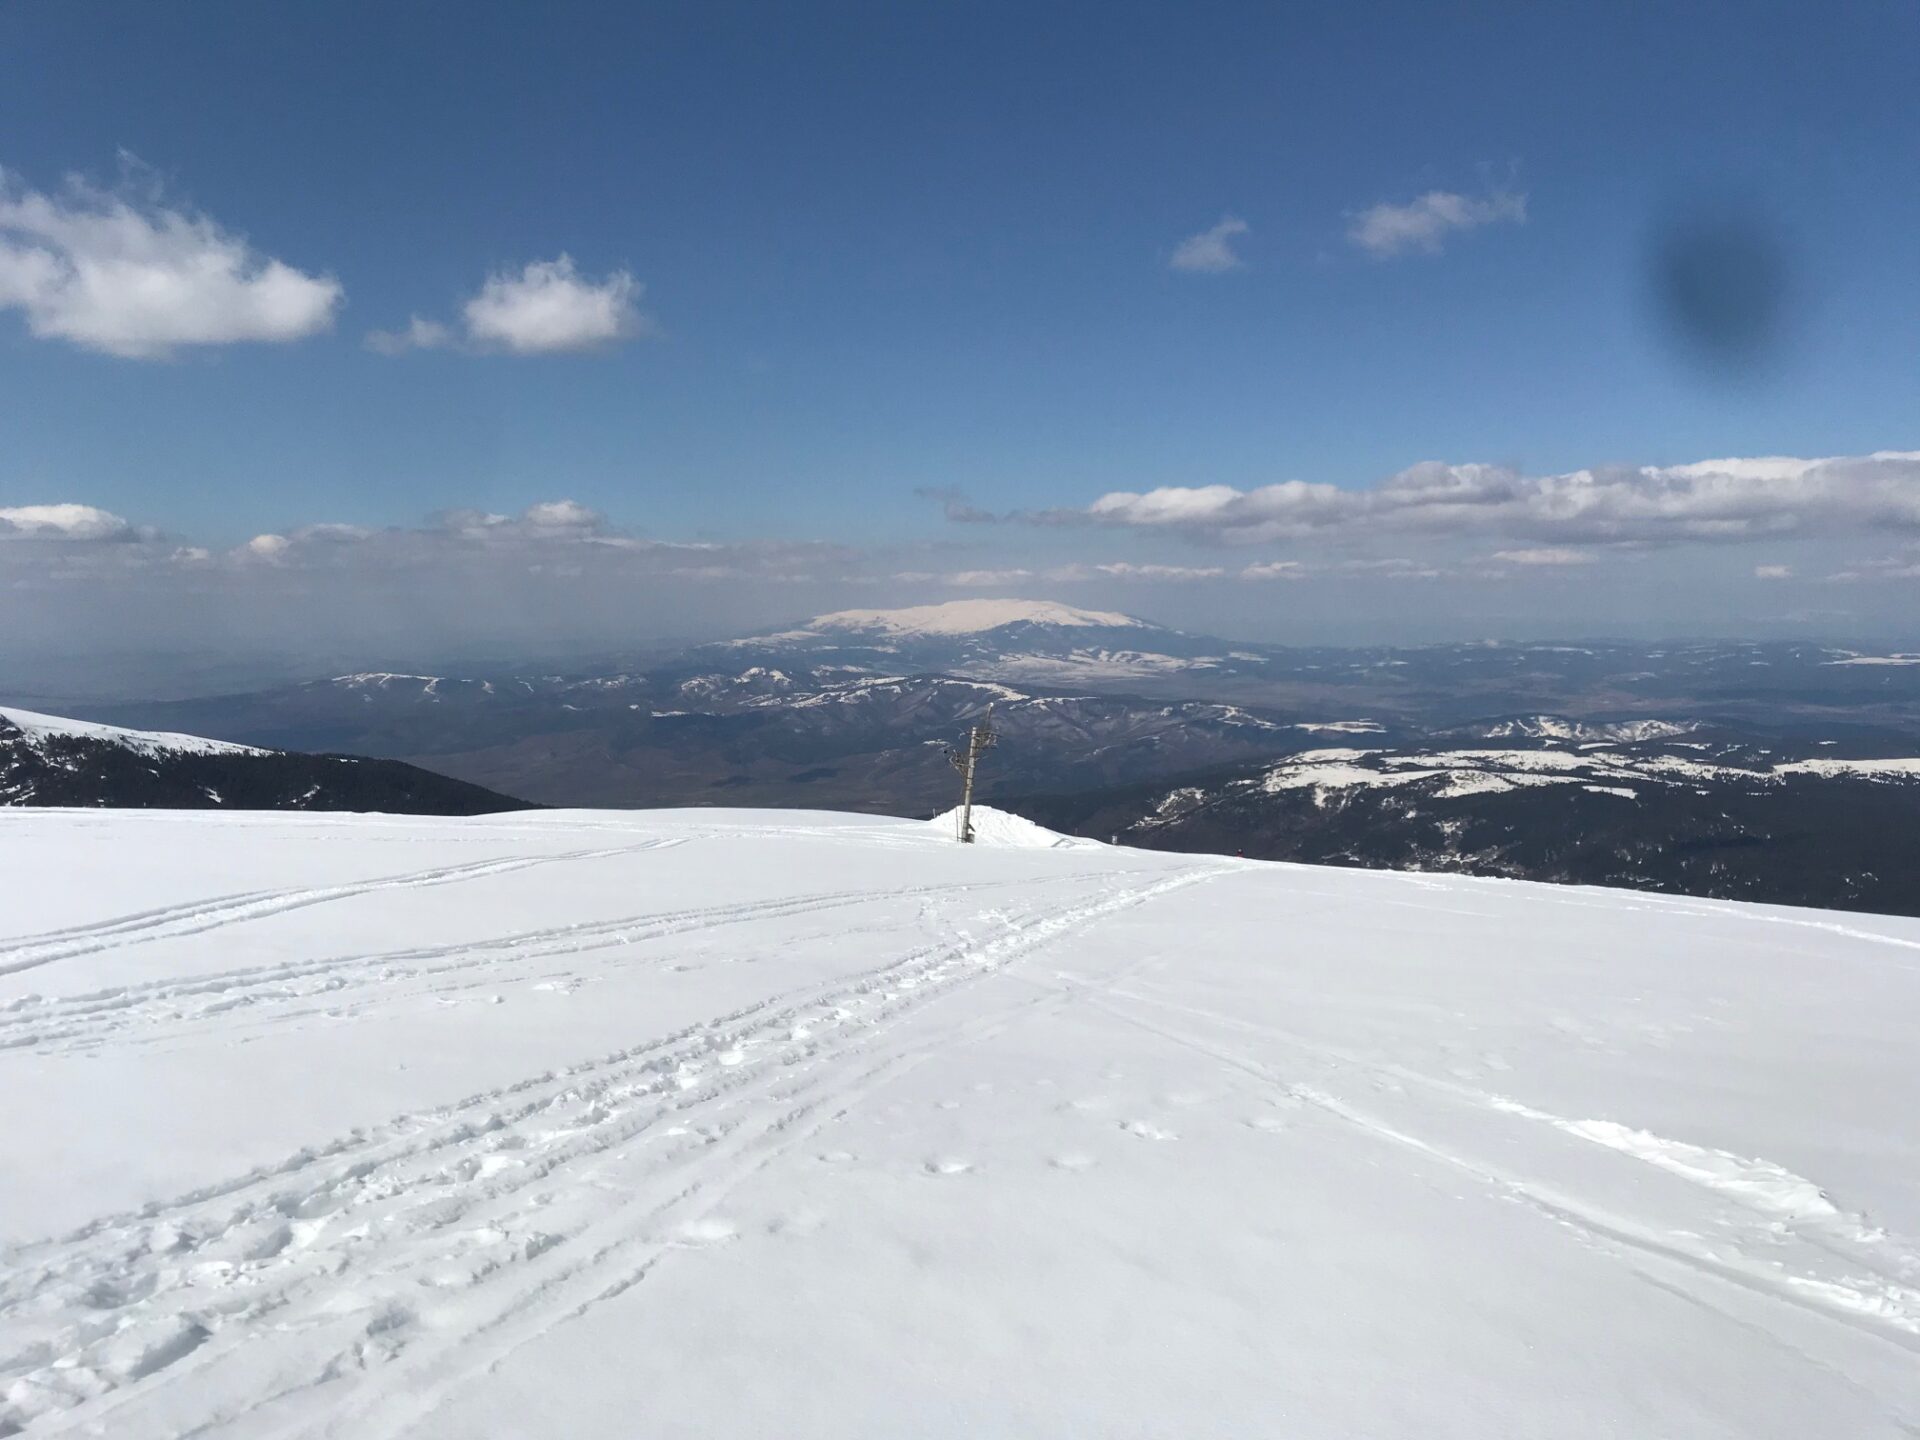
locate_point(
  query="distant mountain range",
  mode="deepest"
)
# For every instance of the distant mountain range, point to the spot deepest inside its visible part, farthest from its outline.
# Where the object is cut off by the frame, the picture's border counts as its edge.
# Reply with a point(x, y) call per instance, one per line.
point(1768, 771)
point(48, 760)
point(759, 735)
point(1695, 811)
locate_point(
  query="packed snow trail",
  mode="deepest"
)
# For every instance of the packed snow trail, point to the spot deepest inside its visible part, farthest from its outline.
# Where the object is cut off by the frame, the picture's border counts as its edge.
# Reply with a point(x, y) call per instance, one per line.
point(560, 1124)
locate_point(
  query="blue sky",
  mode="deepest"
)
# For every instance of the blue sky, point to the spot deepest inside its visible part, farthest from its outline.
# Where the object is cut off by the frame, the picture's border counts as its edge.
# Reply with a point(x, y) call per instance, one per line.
point(867, 250)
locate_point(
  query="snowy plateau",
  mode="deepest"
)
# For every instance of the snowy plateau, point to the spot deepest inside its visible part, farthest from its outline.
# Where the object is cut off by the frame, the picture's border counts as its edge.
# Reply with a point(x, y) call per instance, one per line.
point(604, 1125)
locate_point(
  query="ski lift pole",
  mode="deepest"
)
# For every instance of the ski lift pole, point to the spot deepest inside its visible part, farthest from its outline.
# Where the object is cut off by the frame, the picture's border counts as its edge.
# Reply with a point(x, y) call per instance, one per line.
point(966, 760)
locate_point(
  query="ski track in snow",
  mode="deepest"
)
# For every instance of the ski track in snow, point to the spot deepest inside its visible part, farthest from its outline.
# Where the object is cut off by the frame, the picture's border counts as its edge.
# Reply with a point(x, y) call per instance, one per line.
point(28, 952)
point(1881, 1284)
point(378, 1279)
point(498, 1199)
point(122, 1012)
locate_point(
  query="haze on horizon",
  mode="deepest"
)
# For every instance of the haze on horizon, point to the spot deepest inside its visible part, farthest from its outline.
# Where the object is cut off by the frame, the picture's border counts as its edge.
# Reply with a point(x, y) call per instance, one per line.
point(582, 333)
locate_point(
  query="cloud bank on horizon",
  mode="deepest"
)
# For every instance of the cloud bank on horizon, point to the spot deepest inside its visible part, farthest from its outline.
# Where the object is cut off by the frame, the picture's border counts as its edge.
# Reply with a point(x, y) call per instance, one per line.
point(1445, 523)
point(1764, 547)
point(1706, 502)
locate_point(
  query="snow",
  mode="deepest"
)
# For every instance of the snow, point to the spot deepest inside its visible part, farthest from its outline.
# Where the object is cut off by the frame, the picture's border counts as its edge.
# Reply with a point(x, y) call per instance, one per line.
point(971, 617)
point(1558, 727)
point(1183, 798)
point(782, 1123)
point(855, 691)
point(38, 729)
point(1472, 772)
point(1082, 666)
point(1900, 767)
point(1322, 775)
point(1344, 727)
point(997, 827)
point(380, 679)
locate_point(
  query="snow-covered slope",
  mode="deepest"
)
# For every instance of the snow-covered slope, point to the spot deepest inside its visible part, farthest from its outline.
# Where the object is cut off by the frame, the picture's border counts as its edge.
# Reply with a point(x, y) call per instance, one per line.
point(40, 730)
point(777, 1123)
point(997, 827)
point(50, 760)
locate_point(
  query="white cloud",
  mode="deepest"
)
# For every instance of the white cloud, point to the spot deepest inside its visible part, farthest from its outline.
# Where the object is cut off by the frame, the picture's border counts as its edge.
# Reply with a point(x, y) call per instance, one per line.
point(555, 575)
point(1385, 230)
point(1550, 555)
point(1889, 567)
point(563, 515)
point(126, 275)
point(1712, 500)
point(559, 537)
point(548, 308)
point(420, 334)
point(977, 578)
point(332, 534)
point(548, 520)
point(1395, 567)
point(1070, 574)
point(1124, 570)
point(64, 522)
point(1773, 572)
point(1211, 251)
point(1388, 568)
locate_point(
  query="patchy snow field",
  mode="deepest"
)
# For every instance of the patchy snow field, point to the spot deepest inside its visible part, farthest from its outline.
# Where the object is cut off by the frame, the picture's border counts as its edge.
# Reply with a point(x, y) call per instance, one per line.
point(768, 1123)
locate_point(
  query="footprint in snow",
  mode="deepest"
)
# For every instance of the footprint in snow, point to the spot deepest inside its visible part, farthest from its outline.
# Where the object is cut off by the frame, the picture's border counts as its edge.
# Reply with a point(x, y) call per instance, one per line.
point(1073, 1160)
point(1147, 1130)
point(800, 1223)
point(707, 1230)
point(947, 1165)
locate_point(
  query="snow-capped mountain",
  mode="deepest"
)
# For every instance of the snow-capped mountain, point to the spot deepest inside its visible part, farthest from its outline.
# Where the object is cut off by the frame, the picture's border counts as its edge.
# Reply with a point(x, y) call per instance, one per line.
point(1035, 641)
point(969, 617)
point(48, 760)
point(782, 1123)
